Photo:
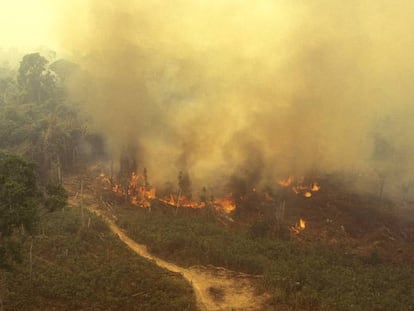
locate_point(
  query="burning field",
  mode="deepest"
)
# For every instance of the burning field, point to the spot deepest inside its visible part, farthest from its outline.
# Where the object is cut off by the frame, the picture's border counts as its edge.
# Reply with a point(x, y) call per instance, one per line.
point(313, 243)
point(289, 120)
point(268, 137)
point(137, 190)
point(324, 210)
point(249, 93)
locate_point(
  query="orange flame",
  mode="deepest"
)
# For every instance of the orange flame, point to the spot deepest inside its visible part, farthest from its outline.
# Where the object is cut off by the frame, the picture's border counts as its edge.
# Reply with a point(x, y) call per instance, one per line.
point(140, 193)
point(302, 224)
point(136, 190)
point(225, 204)
point(300, 188)
point(307, 194)
point(315, 187)
point(286, 182)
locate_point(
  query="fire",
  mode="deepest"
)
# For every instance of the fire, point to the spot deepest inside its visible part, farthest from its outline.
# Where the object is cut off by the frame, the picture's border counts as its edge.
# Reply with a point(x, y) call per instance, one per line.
point(181, 201)
point(137, 189)
point(315, 187)
point(225, 204)
point(302, 224)
point(286, 182)
point(139, 193)
point(299, 227)
point(299, 187)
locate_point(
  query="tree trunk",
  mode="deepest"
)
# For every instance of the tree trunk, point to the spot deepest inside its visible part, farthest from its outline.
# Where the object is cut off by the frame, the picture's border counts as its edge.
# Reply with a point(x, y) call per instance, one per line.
point(59, 171)
point(111, 177)
point(381, 188)
point(2, 290)
point(81, 205)
point(31, 258)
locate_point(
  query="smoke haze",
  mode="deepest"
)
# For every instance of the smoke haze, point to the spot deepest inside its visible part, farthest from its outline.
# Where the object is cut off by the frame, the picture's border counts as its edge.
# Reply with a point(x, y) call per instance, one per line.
point(258, 89)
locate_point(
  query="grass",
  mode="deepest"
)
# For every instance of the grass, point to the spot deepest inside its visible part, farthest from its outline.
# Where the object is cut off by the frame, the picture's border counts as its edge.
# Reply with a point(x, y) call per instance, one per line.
point(301, 276)
point(89, 269)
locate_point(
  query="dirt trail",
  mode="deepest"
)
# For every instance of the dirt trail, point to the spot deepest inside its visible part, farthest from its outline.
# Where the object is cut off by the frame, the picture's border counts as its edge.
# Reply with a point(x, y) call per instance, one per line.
point(215, 288)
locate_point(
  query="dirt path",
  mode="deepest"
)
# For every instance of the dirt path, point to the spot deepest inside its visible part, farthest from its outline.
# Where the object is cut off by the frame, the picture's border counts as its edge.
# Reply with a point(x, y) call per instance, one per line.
point(215, 288)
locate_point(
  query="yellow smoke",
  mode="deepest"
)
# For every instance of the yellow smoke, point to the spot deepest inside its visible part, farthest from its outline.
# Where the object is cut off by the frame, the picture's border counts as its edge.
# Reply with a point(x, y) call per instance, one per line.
point(255, 88)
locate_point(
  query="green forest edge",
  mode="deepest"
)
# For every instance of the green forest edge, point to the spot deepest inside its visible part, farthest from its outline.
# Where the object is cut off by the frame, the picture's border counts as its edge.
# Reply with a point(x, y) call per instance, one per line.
point(48, 261)
point(298, 276)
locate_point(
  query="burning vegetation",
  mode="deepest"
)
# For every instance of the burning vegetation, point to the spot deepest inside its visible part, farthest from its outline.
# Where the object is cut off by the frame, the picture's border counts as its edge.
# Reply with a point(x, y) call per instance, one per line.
point(322, 208)
point(299, 186)
point(241, 198)
point(139, 192)
point(257, 113)
point(334, 228)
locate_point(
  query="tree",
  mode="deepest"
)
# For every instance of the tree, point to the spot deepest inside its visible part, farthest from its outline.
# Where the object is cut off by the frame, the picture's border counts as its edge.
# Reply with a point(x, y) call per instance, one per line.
point(34, 77)
point(8, 86)
point(57, 197)
point(64, 69)
point(39, 121)
point(19, 199)
point(184, 184)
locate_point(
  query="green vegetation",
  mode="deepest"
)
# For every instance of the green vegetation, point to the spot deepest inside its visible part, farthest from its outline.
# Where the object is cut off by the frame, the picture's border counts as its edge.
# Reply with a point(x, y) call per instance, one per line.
point(52, 261)
point(300, 276)
point(89, 269)
point(19, 199)
point(39, 121)
point(57, 197)
point(55, 261)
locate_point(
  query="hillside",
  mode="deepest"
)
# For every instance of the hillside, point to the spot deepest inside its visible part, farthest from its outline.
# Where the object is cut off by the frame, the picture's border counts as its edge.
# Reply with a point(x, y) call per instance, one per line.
point(75, 268)
point(355, 252)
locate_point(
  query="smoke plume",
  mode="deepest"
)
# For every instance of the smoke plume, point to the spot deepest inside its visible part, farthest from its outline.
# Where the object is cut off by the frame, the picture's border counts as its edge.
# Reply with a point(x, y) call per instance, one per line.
point(257, 89)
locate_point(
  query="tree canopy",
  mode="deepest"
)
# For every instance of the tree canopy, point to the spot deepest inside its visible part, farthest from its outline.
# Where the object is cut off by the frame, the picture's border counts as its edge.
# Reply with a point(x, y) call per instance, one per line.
point(38, 120)
point(34, 78)
point(19, 200)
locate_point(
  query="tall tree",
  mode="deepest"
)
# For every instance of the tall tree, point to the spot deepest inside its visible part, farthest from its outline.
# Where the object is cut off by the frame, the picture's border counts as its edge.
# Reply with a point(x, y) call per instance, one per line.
point(19, 199)
point(35, 78)
point(184, 184)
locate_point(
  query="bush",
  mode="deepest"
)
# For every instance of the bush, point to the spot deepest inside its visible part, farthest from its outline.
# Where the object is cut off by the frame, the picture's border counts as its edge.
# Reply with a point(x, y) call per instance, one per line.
point(90, 270)
point(301, 276)
point(57, 197)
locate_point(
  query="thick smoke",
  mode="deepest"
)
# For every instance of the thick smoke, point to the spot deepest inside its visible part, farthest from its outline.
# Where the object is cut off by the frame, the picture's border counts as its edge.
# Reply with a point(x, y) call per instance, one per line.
point(254, 89)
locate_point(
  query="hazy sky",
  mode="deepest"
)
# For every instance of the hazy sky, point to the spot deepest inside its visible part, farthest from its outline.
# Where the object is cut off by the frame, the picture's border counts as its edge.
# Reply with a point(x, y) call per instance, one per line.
point(26, 23)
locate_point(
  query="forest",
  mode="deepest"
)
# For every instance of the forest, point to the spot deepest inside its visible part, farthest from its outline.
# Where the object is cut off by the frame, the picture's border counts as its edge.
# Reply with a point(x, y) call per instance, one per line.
point(47, 258)
point(353, 252)
point(206, 155)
